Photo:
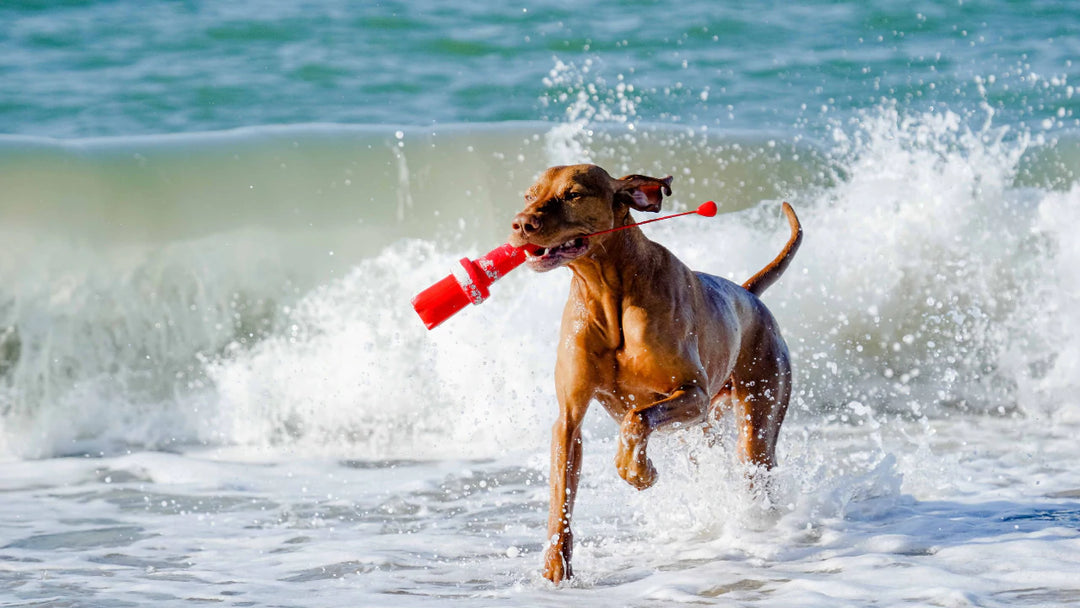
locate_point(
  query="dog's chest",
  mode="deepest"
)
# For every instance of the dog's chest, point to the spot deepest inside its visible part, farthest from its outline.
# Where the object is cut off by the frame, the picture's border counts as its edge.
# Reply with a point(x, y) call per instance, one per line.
point(646, 368)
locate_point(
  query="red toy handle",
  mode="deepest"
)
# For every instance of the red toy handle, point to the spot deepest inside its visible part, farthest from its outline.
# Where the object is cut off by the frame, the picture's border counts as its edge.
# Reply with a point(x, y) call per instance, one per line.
point(706, 209)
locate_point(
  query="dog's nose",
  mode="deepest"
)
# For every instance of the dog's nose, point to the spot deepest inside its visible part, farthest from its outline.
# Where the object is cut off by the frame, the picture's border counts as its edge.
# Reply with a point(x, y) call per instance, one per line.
point(527, 223)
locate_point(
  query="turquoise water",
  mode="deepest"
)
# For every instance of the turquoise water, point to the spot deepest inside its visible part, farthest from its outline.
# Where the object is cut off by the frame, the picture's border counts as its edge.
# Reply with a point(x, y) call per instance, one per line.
point(213, 217)
point(80, 69)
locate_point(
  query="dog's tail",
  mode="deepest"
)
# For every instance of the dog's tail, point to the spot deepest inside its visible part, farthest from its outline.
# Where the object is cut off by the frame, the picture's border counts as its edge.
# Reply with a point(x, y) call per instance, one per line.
point(768, 275)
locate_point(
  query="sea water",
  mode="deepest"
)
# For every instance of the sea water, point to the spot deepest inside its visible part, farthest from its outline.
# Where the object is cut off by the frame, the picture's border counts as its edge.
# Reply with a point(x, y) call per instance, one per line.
point(213, 217)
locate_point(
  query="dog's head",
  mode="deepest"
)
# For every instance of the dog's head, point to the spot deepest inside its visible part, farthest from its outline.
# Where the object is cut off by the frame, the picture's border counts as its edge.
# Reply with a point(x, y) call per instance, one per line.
point(569, 203)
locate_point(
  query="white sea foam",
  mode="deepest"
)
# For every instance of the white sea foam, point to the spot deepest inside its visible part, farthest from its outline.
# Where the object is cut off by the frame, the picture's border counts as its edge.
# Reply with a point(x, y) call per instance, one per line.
point(355, 366)
point(929, 281)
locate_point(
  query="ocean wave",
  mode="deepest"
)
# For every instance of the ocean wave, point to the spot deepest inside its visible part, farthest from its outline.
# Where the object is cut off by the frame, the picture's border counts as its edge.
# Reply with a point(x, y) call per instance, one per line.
point(252, 286)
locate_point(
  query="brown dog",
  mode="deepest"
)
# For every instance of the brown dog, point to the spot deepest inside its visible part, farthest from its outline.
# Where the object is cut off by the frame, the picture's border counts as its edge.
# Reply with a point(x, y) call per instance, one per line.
point(653, 342)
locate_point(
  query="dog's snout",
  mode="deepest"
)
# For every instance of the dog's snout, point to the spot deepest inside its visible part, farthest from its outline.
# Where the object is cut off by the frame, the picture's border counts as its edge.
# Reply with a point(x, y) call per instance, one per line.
point(527, 223)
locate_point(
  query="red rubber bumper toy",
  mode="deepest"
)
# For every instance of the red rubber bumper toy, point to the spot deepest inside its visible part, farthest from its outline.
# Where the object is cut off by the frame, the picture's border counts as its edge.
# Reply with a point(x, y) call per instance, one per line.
point(445, 298)
point(440, 301)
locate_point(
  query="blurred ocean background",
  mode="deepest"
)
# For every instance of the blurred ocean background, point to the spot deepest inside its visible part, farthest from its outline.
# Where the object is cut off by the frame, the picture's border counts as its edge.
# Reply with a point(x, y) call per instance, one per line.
point(213, 217)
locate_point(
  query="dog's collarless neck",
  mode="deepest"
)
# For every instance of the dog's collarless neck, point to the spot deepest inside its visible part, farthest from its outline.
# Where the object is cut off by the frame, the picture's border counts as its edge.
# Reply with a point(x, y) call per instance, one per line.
point(608, 272)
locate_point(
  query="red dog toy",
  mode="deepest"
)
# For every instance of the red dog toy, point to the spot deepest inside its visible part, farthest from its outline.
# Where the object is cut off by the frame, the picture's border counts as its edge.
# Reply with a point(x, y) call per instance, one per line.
point(456, 291)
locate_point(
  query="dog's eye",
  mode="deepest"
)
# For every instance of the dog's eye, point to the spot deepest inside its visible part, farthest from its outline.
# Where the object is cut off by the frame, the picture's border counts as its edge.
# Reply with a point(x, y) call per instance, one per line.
point(570, 196)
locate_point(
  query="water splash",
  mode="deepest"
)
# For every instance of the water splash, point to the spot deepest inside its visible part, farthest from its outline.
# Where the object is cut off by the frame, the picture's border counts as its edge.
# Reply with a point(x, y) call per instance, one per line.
point(589, 103)
point(931, 282)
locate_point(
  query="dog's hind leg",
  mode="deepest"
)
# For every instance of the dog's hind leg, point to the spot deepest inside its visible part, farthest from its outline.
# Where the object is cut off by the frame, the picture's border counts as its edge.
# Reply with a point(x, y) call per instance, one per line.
point(760, 402)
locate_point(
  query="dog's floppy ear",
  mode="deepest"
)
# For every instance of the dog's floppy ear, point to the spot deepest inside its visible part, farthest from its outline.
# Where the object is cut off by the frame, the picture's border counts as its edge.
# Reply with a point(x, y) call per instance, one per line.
point(642, 192)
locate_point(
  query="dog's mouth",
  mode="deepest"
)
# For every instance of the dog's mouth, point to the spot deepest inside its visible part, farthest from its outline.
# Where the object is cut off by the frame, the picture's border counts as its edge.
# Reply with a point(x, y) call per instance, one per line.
point(542, 259)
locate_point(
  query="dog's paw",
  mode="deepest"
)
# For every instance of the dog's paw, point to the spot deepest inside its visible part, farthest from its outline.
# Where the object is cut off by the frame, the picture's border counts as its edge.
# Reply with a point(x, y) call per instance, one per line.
point(641, 475)
point(633, 464)
point(556, 567)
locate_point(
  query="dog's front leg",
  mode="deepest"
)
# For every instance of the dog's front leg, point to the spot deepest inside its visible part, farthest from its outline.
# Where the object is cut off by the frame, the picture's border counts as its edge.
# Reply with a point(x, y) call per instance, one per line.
point(687, 404)
point(565, 472)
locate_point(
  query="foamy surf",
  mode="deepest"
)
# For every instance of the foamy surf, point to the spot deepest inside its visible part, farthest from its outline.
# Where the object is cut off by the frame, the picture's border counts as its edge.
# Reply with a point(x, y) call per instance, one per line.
point(930, 292)
point(228, 527)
